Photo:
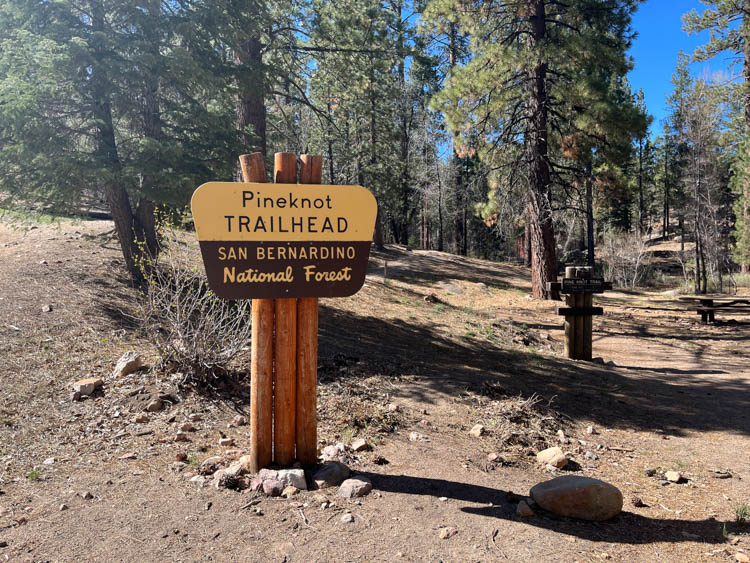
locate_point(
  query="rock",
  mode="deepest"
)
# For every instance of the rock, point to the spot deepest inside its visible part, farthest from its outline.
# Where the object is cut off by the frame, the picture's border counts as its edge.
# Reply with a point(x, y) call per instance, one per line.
point(64, 507)
point(579, 497)
point(638, 502)
point(331, 452)
point(359, 445)
point(591, 430)
point(87, 386)
point(154, 406)
point(561, 437)
point(226, 442)
point(741, 557)
point(417, 437)
point(448, 532)
point(210, 465)
point(590, 456)
point(141, 418)
point(128, 363)
point(355, 487)
point(46, 308)
point(611, 364)
point(245, 462)
point(239, 420)
point(293, 477)
point(495, 457)
point(552, 456)
point(289, 491)
point(332, 474)
point(255, 485)
point(267, 474)
point(129, 455)
point(181, 437)
point(477, 430)
point(187, 427)
point(273, 487)
point(49, 461)
point(524, 510)
point(347, 518)
point(649, 471)
point(180, 456)
point(87, 495)
point(673, 476)
point(597, 360)
point(194, 418)
point(392, 407)
point(236, 469)
point(75, 396)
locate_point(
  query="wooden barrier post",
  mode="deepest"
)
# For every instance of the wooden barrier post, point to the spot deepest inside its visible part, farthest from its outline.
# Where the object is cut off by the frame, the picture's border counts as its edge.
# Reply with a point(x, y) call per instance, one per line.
point(579, 287)
point(310, 172)
point(285, 346)
point(261, 364)
point(570, 324)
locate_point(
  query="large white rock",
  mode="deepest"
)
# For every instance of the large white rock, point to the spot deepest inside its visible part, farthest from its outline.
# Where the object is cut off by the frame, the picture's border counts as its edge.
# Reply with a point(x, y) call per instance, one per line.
point(355, 487)
point(87, 386)
point(552, 456)
point(578, 497)
point(293, 477)
point(128, 363)
point(330, 475)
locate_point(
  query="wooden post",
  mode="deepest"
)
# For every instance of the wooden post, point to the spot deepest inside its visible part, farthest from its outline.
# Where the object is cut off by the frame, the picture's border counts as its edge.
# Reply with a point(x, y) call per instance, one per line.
point(570, 326)
point(588, 320)
point(261, 363)
point(285, 346)
point(580, 336)
point(310, 172)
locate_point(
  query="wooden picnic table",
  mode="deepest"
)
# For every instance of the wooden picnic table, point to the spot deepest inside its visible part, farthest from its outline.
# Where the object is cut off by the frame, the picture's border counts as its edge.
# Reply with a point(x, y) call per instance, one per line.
point(707, 305)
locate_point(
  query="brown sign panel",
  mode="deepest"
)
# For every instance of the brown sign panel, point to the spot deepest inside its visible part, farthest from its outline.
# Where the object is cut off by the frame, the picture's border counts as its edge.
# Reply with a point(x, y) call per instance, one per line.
point(583, 285)
point(263, 241)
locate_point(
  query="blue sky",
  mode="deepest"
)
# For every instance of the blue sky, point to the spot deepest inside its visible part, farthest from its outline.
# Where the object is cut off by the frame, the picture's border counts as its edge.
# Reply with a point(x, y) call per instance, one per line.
point(660, 38)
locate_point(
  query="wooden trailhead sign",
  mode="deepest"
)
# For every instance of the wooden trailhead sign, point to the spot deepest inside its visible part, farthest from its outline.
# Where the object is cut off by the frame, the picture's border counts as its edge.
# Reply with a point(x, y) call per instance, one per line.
point(267, 241)
point(579, 288)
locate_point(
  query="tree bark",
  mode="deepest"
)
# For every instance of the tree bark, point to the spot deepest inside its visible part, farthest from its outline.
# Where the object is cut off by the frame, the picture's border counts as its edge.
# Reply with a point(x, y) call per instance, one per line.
point(251, 106)
point(544, 259)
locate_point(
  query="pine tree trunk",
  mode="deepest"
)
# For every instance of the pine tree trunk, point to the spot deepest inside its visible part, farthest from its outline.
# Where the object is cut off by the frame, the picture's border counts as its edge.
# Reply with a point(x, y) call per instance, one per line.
point(458, 176)
point(107, 154)
point(745, 32)
point(590, 221)
point(543, 259)
point(251, 107)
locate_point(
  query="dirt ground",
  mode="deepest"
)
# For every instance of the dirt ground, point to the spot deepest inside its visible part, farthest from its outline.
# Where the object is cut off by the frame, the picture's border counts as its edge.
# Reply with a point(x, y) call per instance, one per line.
point(675, 398)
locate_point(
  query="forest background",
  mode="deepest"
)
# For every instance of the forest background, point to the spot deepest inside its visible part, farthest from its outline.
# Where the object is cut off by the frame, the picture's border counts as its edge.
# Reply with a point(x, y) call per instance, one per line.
point(497, 129)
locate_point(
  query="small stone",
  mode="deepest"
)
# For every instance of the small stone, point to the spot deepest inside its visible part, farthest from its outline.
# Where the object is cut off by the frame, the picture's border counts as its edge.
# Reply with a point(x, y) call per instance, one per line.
point(87, 495)
point(741, 557)
point(154, 406)
point(187, 427)
point(495, 458)
point(638, 502)
point(226, 442)
point(347, 518)
point(417, 437)
point(255, 485)
point(331, 474)
point(87, 386)
point(392, 407)
point(268, 474)
point(355, 487)
point(180, 456)
point(552, 456)
point(673, 476)
point(579, 497)
point(63, 507)
point(235, 470)
point(561, 437)
point(332, 452)
point(46, 308)
point(273, 487)
point(246, 462)
point(591, 430)
point(359, 445)
point(443, 499)
point(200, 480)
point(75, 396)
point(477, 430)
point(49, 461)
point(590, 456)
point(293, 477)
point(448, 532)
point(141, 418)
point(524, 510)
point(194, 418)
point(289, 491)
point(129, 455)
point(649, 471)
point(239, 420)
point(129, 362)
point(181, 437)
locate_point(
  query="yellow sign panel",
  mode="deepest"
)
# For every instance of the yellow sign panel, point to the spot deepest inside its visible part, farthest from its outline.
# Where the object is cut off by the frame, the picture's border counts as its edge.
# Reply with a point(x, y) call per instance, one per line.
point(283, 212)
point(284, 240)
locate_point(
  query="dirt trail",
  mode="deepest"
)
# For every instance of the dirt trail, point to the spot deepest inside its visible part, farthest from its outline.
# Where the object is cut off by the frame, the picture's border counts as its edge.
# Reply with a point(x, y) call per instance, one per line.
point(677, 398)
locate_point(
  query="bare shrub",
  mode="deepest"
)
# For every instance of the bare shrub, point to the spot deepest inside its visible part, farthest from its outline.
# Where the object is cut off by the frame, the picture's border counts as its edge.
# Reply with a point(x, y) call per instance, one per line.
point(195, 331)
point(624, 258)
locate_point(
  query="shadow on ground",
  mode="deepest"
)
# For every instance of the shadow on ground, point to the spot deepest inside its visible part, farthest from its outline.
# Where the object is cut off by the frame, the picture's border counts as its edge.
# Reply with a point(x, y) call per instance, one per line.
point(627, 528)
point(668, 401)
